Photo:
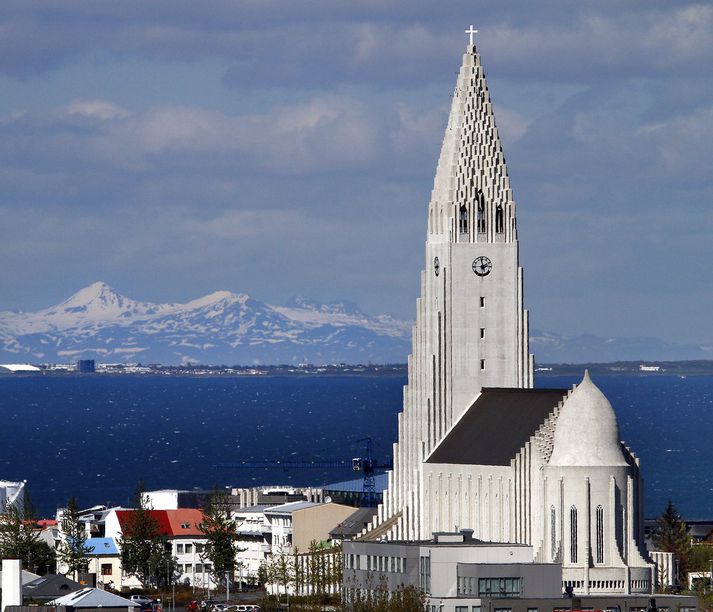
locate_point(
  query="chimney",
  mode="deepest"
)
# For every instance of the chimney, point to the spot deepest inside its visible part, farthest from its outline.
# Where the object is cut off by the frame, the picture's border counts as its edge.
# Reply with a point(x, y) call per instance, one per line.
point(11, 583)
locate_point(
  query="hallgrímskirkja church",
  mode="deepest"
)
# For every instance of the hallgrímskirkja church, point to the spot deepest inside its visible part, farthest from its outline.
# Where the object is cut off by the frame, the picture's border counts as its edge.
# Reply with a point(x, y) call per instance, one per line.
point(478, 447)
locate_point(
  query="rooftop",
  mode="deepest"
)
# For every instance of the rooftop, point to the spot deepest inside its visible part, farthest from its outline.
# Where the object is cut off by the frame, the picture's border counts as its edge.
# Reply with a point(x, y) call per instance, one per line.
point(292, 507)
point(498, 424)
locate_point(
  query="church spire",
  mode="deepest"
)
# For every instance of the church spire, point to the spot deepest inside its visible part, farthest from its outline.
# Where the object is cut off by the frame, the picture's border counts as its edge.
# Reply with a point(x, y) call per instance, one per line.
point(471, 328)
point(471, 200)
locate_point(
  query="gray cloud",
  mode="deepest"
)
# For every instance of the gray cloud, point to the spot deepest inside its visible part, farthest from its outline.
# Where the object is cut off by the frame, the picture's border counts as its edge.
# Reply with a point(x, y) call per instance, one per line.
point(317, 180)
point(324, 42)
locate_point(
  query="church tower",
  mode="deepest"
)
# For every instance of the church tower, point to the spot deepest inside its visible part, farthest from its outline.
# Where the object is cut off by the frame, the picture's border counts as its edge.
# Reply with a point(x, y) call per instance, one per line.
point(471, 329)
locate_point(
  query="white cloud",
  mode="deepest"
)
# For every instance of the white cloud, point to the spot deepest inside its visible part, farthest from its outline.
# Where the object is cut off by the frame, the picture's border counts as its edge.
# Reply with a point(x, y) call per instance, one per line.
point(99, 109)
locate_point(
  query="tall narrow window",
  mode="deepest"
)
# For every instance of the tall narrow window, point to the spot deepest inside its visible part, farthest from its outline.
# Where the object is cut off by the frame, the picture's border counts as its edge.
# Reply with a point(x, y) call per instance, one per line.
point(482, 332)
point(482, 364)
point(463, 219)
point(600, 534)
point(425, 574)
point(481, 213)
point(499, 225)
point(482, 302)
point(573, 535)
point(553, 532)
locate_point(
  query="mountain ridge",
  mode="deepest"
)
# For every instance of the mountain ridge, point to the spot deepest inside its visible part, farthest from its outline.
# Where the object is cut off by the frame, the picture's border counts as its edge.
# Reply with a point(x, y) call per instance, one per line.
point(97, 322)
point(221, 327)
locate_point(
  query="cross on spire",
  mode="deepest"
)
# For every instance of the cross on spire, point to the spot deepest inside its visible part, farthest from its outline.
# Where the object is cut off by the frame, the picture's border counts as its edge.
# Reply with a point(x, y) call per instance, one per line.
point(470, 33)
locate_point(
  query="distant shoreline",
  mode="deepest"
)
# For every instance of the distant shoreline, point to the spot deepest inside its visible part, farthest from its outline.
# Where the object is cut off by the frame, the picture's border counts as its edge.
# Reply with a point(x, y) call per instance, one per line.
point(618, 368)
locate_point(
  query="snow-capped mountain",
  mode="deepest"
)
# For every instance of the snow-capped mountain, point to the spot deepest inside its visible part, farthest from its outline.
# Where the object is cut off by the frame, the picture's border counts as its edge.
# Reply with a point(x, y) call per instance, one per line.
point(220, 328)
point(235, 329)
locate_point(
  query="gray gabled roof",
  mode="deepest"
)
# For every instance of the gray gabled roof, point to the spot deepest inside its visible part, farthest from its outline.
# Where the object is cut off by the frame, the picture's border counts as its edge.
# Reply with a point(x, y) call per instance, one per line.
point(496, 426)
point(49, 586)
point(92, 598)
point(26, 577)
point(354, 524)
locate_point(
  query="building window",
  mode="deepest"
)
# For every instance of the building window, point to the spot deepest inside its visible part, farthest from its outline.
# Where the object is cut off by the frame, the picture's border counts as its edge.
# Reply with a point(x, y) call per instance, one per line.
point(463, 220)
point(600, 534)
point(499, 219)
point(499, 587)
point(475, 609)
point(179, 549)
point(573, 535)
point(553, 532)
point(189, 548)
point(482, 332)
point(482, 302)
point(482, 364)
point(481, 213)
point(461, 608)
point(199, 548)
point(199, 568)
point(425, 575)
point(106, 569)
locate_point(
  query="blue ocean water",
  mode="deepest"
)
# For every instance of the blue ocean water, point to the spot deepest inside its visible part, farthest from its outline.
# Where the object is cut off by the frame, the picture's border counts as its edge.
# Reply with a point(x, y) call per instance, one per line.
point(96, 437)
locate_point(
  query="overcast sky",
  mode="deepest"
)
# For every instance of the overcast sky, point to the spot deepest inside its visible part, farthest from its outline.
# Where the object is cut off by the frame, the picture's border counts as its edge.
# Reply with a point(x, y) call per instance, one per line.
point(173, 148)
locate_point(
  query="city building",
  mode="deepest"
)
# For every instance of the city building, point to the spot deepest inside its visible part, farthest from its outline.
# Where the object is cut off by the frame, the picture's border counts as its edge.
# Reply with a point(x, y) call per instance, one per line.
point(86, 366)
point(12, 493)
point(181, 529)
point(458, 573)
point(478, 447)
point(294, 526)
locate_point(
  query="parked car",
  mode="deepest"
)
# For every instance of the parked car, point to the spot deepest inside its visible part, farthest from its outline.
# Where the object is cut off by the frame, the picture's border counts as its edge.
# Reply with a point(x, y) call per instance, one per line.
point(142, 600)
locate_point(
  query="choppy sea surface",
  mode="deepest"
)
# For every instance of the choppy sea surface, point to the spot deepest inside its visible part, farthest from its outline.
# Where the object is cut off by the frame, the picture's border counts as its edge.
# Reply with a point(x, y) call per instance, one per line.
point(96, 437)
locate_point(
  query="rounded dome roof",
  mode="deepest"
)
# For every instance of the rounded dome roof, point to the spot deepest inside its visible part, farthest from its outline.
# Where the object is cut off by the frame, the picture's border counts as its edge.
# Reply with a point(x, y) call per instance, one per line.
point(587, 433)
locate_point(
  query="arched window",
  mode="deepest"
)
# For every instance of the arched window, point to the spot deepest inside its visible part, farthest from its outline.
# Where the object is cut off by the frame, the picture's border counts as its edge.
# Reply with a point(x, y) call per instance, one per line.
point(463, 219)
point(553, 532)
point(499, 225)
point(481, 213)
point(600, 534)
point(573, 535)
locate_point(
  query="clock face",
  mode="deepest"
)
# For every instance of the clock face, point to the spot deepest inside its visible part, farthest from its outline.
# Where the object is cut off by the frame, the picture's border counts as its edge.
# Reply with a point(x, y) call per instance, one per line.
point(436, 266)
point(482, 266)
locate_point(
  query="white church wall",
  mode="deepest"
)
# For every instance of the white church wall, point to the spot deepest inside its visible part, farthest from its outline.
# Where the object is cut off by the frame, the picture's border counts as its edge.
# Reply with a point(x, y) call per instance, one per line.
point(595, 544)
point(468, 497)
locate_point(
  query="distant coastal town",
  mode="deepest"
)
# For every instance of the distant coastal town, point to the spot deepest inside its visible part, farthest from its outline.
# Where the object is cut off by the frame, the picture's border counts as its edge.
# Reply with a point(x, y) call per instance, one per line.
point(90, 366)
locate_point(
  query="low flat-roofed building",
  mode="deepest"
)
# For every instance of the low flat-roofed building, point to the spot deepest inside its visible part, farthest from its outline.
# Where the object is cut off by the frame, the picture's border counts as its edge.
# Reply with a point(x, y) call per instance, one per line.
point(458, 573)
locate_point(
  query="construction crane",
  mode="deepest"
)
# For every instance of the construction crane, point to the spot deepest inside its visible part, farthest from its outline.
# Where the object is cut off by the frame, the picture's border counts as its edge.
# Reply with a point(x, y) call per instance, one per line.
point(367, 465)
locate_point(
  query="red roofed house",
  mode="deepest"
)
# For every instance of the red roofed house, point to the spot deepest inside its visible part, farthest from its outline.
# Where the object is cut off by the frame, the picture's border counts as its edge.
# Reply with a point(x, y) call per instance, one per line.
point(181, 528)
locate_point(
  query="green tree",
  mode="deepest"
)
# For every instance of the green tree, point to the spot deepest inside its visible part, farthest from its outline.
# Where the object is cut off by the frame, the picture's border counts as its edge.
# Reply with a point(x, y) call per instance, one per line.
point(671, 535)
point(282, 573)
point(145, 552)
point(72, 550)
point(20, 538)
point(220, 530)
point(379, 599)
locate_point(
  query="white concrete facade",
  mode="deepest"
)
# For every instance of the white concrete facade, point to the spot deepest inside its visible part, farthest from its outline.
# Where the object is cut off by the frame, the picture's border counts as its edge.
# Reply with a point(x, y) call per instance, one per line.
point(11, 583)
point(471, 328)
point(12, 493)
point(572, 491)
